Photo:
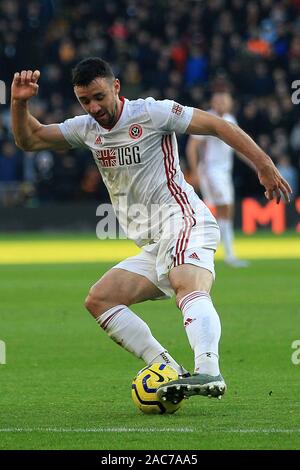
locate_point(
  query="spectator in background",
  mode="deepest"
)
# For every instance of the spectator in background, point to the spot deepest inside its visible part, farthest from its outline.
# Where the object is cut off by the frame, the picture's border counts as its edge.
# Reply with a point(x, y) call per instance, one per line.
point(10, 174)
point(44, 162)
point(214, 174)
point(179, 53)
point(10, 163)
point(196, 66)
point(132, 85)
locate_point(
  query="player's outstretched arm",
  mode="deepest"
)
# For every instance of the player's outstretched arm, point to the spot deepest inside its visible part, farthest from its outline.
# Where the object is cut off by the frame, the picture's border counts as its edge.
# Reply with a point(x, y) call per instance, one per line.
point(268, 175)
point(29, 133)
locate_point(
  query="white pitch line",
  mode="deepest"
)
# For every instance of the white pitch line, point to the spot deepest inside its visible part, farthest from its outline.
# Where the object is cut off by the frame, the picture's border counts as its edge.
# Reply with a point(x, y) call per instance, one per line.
point(95, 430)
point(263, 431)
point(149, 430)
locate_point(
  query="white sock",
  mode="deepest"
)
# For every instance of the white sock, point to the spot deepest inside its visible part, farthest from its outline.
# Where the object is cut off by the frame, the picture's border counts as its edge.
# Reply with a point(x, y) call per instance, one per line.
point(226, 228)
point(165, 358)
point(133, 334)
point(203, 329)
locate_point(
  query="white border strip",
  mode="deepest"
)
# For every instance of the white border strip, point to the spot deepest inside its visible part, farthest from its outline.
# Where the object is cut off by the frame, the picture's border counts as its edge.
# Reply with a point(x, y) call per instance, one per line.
point(261, 431)
point(95, 430)
point(148, 430)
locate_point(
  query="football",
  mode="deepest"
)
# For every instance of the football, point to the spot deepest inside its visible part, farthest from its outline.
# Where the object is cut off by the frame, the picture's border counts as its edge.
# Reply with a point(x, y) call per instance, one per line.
point(144, 388)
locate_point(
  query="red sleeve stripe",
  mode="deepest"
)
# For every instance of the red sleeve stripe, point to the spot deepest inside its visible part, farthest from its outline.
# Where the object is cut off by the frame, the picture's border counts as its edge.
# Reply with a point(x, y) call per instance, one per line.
point(180, 197)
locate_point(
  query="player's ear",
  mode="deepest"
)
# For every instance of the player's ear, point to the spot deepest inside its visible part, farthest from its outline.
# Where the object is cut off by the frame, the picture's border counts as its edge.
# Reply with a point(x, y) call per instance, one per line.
point(117, 85)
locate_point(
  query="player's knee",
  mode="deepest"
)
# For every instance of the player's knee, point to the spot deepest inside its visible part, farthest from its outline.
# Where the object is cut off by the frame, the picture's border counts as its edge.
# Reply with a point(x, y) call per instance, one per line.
point(184, 291)
point(180, 293)
point(96, 301)
point(103, 296)
point(186, 279)
point(90, 304)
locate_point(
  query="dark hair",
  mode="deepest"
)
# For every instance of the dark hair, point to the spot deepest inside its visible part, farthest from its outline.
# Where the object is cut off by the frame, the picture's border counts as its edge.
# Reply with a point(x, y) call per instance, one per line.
point(88, 69)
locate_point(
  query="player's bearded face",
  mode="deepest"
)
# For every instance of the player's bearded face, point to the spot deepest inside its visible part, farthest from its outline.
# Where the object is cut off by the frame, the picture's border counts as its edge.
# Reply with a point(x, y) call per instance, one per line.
point(100, 99)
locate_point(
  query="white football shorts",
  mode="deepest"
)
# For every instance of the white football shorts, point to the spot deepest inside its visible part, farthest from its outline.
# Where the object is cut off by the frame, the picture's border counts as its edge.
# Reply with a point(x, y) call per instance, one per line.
point(197, 246)
point(217, 188)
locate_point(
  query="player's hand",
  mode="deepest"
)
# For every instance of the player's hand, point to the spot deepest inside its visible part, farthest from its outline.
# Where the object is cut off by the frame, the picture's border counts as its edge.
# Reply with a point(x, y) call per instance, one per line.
point(24, 85)
point(274, 183)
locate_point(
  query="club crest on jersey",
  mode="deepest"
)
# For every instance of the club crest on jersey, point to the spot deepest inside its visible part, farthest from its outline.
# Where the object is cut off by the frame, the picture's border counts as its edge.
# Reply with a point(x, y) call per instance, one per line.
point(177, 109)
point(99, 140)
point(135, 131)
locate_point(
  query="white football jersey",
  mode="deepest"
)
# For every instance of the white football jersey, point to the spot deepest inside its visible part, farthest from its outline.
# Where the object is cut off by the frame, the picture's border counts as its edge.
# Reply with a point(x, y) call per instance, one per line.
point(139, 163)
point(216, 155)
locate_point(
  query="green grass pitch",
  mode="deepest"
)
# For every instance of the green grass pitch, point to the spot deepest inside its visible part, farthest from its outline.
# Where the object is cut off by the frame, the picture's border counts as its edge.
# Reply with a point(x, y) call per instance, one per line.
point(66, 385)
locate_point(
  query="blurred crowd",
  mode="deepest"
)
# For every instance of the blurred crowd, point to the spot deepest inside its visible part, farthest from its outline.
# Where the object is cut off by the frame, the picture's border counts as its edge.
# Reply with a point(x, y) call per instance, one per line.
point(177, 49)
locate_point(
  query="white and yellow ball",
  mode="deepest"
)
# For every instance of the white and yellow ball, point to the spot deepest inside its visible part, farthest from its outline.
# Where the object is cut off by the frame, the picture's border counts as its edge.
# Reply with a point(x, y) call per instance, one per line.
point(144, 388)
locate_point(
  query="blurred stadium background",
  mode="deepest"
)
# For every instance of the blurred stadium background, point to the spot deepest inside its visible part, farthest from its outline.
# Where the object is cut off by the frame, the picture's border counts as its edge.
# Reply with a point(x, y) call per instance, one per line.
point(183, 50)
point(58, 370)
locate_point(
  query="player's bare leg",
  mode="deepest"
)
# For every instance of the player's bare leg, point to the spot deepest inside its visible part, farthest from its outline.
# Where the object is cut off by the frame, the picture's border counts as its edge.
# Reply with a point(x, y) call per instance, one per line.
point(118, 286)
point(108, 301)
point(192, 285)
point(225, 214)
